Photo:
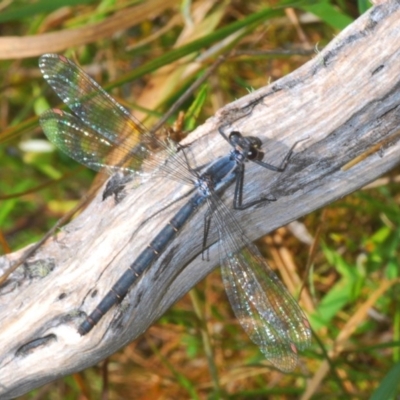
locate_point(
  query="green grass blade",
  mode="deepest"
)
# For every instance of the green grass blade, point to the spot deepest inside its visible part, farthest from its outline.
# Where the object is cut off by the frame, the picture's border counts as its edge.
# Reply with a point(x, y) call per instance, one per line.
point(390, 385)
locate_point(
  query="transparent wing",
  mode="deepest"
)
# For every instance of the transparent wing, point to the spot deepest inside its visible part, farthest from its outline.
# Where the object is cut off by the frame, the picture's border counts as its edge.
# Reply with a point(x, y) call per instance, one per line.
point(262, 304)
point(102, 133)
point(90, 103)
point(82, 143)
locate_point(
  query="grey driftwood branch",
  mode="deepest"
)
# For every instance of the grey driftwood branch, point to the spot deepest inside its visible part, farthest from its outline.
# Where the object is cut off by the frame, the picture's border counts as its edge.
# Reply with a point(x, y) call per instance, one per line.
point(346, 101)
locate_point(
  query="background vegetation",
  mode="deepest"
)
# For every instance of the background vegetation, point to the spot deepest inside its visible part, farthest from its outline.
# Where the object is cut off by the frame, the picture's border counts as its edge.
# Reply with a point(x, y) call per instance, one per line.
point(148, 53)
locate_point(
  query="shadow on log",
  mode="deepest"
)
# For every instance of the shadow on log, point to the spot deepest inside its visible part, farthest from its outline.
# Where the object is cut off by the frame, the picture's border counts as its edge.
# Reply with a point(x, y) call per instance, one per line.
point(346, 101)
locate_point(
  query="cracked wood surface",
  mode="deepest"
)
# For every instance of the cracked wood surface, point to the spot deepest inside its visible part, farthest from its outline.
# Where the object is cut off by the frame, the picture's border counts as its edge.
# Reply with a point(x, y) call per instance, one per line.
point(346, 101)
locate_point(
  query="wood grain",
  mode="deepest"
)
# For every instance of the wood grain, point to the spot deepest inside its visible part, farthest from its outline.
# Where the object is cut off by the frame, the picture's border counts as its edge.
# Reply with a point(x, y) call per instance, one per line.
point(346, 101)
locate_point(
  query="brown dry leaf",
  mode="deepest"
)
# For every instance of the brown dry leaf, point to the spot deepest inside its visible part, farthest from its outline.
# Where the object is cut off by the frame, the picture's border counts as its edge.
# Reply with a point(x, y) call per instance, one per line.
point(167, 79)
point(13, 47)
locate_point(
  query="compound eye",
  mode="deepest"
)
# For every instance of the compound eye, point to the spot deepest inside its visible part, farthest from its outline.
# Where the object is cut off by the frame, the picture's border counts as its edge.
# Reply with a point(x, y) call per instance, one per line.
point(255, 141)
point(252, 154)
point(255, 154)
point(234, 137)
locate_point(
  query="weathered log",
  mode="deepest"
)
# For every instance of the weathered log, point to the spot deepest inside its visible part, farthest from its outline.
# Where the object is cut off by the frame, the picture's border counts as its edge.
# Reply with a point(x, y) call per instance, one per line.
point(346, 101)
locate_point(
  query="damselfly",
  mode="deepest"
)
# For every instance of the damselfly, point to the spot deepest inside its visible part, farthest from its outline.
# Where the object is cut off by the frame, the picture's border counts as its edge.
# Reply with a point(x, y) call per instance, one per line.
point(103, 134)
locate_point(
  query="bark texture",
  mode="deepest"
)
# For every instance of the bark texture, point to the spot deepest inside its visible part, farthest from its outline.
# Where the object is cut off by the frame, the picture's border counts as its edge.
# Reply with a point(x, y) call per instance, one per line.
point(346, 101)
